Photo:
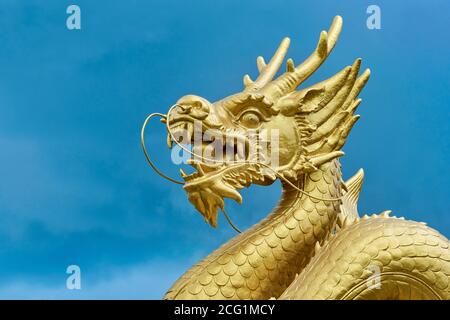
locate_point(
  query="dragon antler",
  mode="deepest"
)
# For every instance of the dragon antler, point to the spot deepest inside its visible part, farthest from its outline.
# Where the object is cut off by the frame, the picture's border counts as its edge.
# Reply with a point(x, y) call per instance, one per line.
point(267, 71)
point(293, 76)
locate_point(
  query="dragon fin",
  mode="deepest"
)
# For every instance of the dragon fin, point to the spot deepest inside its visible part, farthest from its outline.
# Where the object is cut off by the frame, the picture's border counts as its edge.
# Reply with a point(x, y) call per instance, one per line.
point(349, 207)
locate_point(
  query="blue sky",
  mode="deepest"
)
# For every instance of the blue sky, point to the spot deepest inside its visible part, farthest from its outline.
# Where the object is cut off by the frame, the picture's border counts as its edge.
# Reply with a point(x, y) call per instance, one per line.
point(75, 187)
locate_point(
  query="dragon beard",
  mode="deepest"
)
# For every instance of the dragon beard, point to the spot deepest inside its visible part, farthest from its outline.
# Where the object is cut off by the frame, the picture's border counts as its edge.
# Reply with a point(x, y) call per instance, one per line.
point(207, 191)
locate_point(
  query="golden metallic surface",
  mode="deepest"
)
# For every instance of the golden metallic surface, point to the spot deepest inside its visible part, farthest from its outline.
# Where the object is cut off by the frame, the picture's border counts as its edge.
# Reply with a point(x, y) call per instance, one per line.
point(313, 245)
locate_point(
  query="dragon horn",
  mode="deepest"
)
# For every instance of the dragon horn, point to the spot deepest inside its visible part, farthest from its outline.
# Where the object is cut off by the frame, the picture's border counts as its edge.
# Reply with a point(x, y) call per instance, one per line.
point(267, 71)
point(291, 79)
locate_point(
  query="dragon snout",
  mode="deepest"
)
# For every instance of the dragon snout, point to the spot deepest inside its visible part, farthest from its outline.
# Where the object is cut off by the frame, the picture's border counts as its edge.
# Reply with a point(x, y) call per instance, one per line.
point(194, 107)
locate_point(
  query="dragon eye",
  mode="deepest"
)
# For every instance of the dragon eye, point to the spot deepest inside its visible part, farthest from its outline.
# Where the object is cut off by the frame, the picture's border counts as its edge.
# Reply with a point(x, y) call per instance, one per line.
point(250, 119)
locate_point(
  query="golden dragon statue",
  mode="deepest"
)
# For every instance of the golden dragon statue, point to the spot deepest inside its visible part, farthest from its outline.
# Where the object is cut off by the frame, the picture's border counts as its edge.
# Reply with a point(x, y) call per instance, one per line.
point(313, 245)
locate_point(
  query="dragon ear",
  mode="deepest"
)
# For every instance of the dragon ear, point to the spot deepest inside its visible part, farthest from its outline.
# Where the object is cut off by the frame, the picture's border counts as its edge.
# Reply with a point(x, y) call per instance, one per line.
point(311, 99)
point(314, 98)
point(301, 101)
point(326, 115)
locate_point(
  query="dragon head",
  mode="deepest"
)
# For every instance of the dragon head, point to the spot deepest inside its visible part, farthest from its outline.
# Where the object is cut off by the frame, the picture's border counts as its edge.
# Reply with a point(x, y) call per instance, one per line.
point(269, 130)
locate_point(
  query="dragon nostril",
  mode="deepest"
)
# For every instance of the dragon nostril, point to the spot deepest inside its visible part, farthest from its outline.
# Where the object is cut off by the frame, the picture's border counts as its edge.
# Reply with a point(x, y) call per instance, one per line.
point(199, 111)
point(183, 109)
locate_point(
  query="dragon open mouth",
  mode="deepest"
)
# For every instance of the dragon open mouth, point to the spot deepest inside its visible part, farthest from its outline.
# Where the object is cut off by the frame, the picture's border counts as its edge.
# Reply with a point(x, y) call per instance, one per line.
point(222, 167)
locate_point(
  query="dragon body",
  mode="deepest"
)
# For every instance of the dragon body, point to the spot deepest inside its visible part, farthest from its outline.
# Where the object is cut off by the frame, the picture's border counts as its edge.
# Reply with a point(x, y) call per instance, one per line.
point(313, 245)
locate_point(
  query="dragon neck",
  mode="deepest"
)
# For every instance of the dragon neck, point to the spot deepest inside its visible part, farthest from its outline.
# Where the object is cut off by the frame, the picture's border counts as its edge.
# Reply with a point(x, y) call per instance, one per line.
point(261, 262)
point(301, 219)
